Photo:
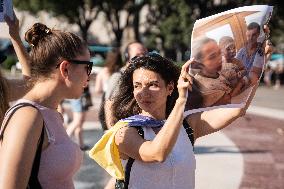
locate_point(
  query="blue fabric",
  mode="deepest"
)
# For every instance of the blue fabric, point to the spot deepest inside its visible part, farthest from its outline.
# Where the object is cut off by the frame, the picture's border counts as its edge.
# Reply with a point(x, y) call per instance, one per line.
point(143, 121)
point(76, 105)
point(247, 61)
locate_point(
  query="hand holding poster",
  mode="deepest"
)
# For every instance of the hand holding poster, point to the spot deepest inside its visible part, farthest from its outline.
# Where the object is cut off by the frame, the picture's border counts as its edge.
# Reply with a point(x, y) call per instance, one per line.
point(6, 8)
point(228, 49)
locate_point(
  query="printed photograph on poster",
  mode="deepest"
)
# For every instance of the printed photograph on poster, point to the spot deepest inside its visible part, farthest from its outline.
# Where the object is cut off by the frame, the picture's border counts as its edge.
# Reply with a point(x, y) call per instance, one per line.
point(228, 49)
point(6, 7)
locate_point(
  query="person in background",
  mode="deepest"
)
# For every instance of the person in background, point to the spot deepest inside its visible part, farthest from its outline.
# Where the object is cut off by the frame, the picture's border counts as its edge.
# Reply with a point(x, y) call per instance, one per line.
point(132, 49)
point(278, 70)
point(43, 156)
point(113, 64)
point(267, 76)
point(79, 108)
point(13, 89)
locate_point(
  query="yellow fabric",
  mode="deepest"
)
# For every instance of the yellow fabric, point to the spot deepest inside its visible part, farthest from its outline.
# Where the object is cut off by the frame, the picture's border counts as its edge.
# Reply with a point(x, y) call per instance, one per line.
point(105, 152)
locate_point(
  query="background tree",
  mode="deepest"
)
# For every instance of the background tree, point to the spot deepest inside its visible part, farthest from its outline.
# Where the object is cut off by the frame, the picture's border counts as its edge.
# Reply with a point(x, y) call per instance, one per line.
point(79, 12)
point(169, 22)
point(134, 19)
point(169, 26)
point(121, 15)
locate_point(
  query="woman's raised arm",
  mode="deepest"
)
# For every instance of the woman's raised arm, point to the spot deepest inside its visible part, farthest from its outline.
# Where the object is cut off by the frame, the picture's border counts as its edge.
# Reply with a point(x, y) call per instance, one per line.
point(18, 45)
point(214, 120)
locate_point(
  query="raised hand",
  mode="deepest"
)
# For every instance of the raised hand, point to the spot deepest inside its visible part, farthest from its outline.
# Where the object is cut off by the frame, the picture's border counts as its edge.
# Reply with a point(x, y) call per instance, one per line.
point(18, 45)
point(185, 80)
point(13, 25)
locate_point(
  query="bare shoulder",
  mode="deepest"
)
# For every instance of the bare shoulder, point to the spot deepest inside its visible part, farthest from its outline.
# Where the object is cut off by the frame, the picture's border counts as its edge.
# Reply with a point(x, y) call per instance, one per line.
point(25, 122)
point(125, 134)
point(129, 143)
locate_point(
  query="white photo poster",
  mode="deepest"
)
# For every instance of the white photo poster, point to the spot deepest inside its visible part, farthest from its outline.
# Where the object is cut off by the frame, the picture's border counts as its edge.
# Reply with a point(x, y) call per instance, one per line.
point(228, 49)
point(6, 7)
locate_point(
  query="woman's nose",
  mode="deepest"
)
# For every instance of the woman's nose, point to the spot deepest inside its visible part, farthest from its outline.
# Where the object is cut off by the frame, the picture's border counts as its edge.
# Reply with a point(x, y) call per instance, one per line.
point(144, 91)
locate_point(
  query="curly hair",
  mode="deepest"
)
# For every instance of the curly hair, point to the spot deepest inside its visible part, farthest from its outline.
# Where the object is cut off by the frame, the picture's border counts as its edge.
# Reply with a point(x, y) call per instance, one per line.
point(124, 103)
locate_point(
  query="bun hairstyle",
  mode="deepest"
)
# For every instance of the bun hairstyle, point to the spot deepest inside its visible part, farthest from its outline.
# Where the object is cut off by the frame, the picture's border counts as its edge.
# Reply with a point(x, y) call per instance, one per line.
point(36, 33)
point(49, 47)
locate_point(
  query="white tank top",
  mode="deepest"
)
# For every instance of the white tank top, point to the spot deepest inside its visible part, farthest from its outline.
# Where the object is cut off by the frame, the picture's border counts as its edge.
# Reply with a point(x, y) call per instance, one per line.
point(176, 172)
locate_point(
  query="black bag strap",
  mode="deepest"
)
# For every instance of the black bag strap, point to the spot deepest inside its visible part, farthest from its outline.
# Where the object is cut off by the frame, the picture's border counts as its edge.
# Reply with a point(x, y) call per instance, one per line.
point(123, 184)
point(8, 116)
point(131, 160)
point(33, 180)
point(189, 131)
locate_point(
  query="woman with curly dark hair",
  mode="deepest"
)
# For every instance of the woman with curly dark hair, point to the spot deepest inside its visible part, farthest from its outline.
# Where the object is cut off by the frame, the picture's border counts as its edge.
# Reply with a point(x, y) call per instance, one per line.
point(151, 145)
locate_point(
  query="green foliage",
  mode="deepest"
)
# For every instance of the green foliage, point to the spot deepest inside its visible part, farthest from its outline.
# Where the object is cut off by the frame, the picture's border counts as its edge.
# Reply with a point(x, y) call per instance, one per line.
point(9, 62)
point(33, 6)
point(114, 13)
point(171, 22)
point(82, 12)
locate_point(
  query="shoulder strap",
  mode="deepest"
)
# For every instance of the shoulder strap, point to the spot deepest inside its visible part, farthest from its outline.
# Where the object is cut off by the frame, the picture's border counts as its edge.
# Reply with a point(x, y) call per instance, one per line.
point(189, 131)
point(131, 160)
point(123, 184)
point(8, 116)
point(33, 180)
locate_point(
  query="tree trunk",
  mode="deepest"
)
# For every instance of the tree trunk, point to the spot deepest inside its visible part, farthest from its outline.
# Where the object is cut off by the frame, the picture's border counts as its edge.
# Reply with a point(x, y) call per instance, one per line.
point(136, 21)
point(84, 32)
point(118, 37)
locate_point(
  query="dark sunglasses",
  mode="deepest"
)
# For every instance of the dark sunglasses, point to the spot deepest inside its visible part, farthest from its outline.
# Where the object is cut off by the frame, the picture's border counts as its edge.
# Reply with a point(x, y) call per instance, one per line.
point(89, 65)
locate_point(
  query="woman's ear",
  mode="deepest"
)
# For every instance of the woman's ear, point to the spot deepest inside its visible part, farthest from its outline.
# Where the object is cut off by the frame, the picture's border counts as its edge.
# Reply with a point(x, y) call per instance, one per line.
point(171, 87)
point(64, 68)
